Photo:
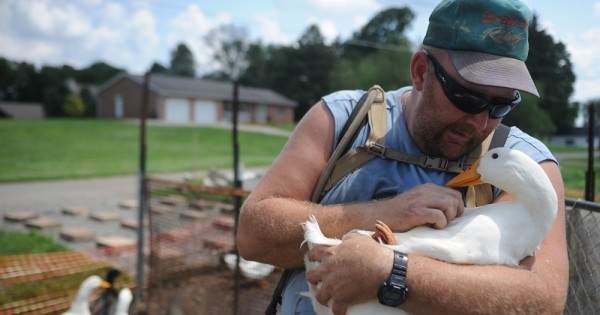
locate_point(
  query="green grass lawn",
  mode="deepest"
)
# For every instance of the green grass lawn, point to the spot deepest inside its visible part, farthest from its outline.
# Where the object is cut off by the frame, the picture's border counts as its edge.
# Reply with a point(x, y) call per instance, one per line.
point(14, 243)
point(56, 149)
point(65, 148)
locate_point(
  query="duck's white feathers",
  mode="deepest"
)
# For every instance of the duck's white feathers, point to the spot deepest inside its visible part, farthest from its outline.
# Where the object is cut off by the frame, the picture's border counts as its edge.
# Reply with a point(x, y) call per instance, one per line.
point(80, 305)
point(252, 270)
point(123, 302)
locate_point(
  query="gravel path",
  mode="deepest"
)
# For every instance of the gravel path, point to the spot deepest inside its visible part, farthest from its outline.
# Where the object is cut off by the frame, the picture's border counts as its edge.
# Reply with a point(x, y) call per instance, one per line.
point(47, 199)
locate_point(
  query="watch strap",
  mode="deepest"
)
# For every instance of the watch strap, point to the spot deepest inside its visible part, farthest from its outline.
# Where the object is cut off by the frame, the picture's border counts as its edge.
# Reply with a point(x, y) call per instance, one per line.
point(399, 269)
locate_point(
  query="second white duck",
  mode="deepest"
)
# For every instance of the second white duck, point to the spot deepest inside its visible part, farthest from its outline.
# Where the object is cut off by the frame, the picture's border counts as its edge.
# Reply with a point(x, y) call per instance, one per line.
point(80, 305)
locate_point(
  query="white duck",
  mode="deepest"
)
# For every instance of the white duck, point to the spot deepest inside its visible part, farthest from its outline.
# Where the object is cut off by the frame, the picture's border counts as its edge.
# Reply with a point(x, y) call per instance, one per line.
point(123, 302)
point(500, 233)
point(80, 305)
point(251, 270)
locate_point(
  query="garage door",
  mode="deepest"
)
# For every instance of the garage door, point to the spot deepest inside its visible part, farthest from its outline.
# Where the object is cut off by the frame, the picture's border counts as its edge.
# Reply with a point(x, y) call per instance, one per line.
point(177, 110)
point(205, 112)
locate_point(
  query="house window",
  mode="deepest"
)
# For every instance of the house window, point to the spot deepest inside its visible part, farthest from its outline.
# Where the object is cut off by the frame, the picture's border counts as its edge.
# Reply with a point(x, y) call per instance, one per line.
point(118, 106)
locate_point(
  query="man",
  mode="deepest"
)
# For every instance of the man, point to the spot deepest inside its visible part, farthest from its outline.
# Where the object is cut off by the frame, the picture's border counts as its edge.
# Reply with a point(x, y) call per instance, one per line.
point(466, 77)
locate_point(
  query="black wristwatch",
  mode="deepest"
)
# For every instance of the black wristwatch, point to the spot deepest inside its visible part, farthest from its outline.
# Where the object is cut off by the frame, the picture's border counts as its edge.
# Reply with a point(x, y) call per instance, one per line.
point(393, 292)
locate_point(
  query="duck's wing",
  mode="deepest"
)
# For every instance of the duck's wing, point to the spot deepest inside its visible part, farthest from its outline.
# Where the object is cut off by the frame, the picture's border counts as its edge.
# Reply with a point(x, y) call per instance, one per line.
point(123, 302)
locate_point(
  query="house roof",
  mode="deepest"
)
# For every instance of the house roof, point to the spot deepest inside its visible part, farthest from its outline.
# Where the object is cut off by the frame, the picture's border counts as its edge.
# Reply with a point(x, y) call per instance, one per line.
point(18, 110)
point(171, 86)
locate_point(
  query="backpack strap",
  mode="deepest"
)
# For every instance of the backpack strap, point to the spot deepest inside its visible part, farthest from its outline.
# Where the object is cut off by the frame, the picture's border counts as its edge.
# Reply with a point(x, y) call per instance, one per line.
point(338, 165)
point(357, 157)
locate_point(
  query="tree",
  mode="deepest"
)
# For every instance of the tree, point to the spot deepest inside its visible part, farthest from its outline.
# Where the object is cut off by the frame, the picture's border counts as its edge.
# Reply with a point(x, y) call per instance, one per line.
point(315, 63)
point(89, 102)
point(182, 62)
point(54, 91)
point(529, 117)
point(19, 82)
point(8, 90)
point(158, 69)
point(301, 73)
point(386, 29)
point(26, 83)
point(552, 70)
point(74, 106)
point(230, 45)
point(97, 73)
point(388, 69)
point(260, 67)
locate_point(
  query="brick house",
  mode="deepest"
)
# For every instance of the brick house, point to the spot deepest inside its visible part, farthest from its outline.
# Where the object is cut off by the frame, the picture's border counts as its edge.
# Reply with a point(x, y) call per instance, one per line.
point(187, 100)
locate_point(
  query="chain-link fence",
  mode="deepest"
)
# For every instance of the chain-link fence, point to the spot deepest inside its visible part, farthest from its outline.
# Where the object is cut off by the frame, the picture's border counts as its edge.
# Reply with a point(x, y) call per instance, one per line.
point(192, 268)
point(583, 234)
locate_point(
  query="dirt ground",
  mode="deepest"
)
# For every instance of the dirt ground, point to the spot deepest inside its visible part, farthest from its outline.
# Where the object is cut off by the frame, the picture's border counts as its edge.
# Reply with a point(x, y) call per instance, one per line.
point(210, 293)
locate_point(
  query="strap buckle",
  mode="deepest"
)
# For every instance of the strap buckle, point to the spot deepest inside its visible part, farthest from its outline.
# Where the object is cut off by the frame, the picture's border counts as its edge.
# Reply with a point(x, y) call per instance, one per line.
point(377, 149)
point(436, 163)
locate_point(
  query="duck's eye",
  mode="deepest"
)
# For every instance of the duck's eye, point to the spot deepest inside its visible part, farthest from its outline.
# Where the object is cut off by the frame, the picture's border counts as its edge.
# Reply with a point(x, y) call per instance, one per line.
point(495, 156)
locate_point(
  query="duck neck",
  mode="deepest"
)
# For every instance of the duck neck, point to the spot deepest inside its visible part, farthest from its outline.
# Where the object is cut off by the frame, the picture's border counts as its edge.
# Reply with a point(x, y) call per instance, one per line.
point(541, 199)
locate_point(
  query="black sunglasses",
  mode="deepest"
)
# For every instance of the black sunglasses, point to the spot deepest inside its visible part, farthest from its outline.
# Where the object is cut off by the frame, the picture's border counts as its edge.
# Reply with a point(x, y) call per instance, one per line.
point(469, 101)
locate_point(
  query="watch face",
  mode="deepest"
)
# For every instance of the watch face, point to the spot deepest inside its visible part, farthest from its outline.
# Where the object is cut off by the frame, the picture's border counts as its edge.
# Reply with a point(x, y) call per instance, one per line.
point(392, 296)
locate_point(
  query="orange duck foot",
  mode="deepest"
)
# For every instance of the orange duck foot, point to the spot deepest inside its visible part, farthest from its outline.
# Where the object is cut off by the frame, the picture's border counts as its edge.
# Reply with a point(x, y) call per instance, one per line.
point(384, 234)
point(262, 283)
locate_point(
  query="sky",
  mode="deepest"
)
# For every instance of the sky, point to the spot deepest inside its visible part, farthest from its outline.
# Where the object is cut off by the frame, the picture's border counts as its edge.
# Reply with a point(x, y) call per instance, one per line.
point(133, 34)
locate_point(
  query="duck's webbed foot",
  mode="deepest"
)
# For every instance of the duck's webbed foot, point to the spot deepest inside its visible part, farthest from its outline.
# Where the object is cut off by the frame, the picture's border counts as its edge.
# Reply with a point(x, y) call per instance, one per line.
point(384, 234)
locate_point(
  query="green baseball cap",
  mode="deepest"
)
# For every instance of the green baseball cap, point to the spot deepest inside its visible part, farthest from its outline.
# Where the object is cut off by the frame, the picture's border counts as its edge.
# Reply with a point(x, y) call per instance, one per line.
point(487, 40)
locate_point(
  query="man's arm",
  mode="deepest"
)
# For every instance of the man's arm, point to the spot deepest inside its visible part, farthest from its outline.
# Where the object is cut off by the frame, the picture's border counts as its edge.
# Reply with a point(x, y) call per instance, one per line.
point(270, 228)
point(539, 286)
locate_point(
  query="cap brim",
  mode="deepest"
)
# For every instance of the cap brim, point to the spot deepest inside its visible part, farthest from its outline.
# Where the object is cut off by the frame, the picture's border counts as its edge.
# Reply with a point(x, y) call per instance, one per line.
point(486, 69)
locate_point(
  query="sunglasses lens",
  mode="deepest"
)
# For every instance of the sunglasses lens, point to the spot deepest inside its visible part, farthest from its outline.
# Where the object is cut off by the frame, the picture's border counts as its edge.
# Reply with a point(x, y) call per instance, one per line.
point(504, 106)
point(468, 103)
point(500, 111)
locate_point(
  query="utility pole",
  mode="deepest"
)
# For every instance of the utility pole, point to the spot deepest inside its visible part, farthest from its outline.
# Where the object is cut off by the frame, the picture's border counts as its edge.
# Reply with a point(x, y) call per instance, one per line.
point(590, 174)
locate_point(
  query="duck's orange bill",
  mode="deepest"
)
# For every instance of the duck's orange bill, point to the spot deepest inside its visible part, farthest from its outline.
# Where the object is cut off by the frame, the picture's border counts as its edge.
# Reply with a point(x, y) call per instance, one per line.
point(469, 177)
point(105, 284)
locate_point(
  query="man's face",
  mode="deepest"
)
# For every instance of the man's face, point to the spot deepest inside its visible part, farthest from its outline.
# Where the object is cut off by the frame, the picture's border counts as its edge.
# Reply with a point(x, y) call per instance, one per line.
point(439, 128)
point(442, 130)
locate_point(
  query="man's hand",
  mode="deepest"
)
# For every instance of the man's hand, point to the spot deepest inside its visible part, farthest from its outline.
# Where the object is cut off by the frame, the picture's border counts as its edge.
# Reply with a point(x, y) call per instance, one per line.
point(351, 272)
point(427, 204)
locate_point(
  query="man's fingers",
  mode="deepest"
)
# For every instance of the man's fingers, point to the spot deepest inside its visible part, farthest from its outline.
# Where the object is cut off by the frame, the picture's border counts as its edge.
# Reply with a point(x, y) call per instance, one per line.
point(314, 276)
point(323, 295)
point(316, 254)
point(338, 309)
point(431, 217)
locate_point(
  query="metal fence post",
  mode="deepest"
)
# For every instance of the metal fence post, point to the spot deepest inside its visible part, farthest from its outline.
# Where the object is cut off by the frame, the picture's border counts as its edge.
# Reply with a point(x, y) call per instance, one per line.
point(236, 184)
point(139, 280)
point(590, 174)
